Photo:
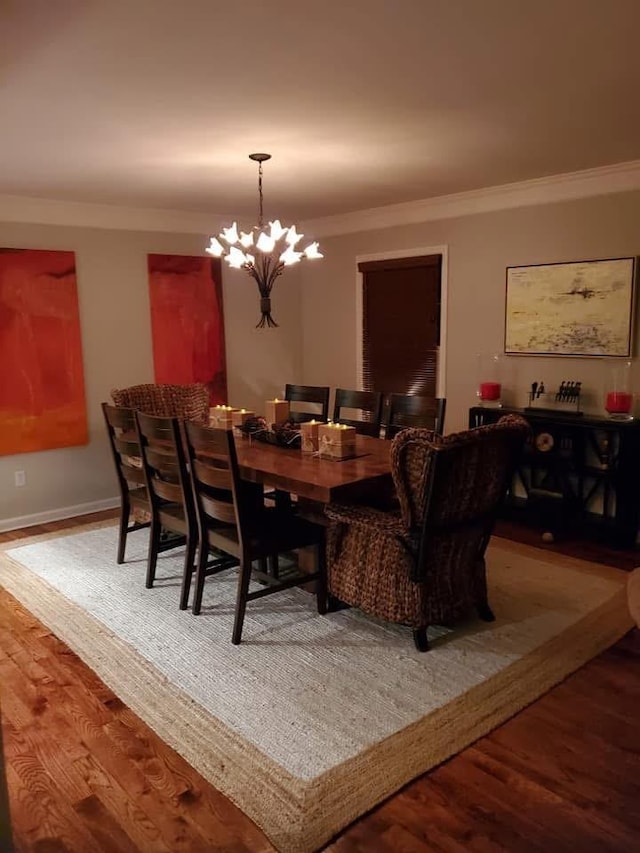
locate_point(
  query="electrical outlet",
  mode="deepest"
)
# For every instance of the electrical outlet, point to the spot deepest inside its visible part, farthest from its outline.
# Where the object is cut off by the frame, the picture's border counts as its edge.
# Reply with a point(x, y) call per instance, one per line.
point(20, 478)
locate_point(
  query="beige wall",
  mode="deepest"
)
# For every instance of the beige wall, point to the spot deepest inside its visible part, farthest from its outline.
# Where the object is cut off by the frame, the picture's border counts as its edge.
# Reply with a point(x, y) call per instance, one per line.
point(480, 247)
point(316, 307)
point(116, 341)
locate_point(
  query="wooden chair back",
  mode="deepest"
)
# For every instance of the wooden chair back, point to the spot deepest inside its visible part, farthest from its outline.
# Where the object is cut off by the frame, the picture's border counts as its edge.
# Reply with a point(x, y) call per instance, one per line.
point(410, 410)
point(303, 394)
point(164, 461)
point(220, 496)
point(369, 403)
point(124, 445)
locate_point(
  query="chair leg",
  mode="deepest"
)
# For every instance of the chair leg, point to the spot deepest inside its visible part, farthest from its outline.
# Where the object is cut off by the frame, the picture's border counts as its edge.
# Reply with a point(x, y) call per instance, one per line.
point(189, 560)
point(125, 509)
point(334, 603)
point(420, 639)
point(274, 566)
point(154, 549)
point(201, 574)
point(321, 583)
point(241, 601)
point(485, 612)
point(282, 500)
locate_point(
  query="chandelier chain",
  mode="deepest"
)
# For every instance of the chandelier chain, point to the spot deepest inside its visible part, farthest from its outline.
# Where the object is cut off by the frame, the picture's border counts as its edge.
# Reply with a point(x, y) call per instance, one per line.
point(260, 219)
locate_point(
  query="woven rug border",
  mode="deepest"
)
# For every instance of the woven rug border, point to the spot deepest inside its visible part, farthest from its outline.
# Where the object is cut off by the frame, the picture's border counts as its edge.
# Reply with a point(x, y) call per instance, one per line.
point(299, 816)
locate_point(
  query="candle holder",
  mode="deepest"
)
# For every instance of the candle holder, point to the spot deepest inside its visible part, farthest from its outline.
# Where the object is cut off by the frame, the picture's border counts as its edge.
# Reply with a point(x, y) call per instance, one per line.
point(310, 436)
point(489, 388)
point(618, 398)
point(276, 411)
point(239, 417)
point(336, 441)
point(221, 417)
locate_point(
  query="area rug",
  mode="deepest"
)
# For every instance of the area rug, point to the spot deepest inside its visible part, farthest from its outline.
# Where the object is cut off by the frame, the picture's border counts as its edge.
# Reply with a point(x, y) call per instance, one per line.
point(313, 719)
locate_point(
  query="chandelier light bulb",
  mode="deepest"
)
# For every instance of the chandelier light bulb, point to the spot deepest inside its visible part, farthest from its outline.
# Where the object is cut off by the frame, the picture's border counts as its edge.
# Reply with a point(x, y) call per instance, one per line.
point(231, 234)
point(276, 230)
point(236, 258)
point(265, 243)
point(276, 245)
point(312, 251)
point(292, 236)
point(216, 248)
point(289, 256)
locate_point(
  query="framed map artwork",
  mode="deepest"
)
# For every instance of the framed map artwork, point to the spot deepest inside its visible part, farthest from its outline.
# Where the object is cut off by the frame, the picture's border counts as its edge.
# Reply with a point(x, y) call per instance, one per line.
point(583, 308)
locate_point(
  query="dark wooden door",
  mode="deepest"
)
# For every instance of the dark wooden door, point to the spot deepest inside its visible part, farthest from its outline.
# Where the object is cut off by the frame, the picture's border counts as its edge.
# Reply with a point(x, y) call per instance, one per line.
point(401, 324)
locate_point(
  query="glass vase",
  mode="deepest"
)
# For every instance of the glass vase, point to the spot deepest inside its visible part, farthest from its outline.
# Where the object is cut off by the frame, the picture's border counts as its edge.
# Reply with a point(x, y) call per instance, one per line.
point(489, 386)
point(618, 397)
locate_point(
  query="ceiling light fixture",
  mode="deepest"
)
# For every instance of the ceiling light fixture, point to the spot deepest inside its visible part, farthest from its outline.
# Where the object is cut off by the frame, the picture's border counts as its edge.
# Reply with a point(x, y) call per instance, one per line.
point(275, 249)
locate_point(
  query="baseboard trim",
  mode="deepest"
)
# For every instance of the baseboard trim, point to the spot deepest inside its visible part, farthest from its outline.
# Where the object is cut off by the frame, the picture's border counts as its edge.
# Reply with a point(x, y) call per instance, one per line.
point(58, 514)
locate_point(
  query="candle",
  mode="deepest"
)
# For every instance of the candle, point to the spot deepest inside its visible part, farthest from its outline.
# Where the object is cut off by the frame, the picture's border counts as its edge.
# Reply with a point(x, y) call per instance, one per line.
point(221, 416)
point(489, 390)
point(276, 411)
point(337, 441)
point(309, 431)
point(619, 402)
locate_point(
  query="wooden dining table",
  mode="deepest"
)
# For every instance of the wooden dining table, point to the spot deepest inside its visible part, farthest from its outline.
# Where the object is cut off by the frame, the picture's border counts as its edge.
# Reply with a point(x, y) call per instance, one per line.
point(367, 474)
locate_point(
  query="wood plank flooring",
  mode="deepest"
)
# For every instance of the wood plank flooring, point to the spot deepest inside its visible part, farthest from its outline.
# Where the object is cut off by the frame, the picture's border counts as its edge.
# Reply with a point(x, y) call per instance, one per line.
point(85, 774)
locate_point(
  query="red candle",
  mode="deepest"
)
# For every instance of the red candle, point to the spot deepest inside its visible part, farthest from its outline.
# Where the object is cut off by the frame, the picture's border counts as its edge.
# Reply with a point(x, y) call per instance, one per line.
point(490, 390)
point(618, 402)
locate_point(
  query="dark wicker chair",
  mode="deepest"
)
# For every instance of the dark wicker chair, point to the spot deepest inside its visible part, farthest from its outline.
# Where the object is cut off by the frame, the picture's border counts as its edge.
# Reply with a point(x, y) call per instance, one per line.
point(412, 410)
point(368, 403)
point(233, 520)
point(188, 402)
point(423, 564)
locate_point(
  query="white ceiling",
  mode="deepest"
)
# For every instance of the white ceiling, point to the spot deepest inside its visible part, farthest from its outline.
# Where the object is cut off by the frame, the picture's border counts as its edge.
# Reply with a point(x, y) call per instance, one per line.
point(362, 103)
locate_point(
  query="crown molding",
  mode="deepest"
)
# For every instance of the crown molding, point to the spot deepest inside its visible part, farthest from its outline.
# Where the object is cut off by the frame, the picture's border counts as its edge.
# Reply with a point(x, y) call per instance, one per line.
point(621, 177)
point(46, 211)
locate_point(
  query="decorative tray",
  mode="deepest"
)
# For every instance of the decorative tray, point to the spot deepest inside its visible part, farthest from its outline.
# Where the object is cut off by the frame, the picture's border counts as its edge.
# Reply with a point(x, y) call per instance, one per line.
point(283, 434)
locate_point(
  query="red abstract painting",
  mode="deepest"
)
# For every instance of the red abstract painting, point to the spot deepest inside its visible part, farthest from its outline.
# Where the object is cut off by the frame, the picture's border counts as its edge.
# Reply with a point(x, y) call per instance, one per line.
point(42, 403)
point(187, 323)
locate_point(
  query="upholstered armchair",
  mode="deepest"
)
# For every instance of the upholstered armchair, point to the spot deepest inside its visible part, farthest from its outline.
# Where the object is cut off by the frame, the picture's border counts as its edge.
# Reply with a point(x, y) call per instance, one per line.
point(423, 563)
point(188, 402)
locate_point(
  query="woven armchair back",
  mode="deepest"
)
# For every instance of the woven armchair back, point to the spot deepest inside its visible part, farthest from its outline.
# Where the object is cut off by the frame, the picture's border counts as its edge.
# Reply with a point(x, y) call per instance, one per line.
point(189, 402)
point(450, 488)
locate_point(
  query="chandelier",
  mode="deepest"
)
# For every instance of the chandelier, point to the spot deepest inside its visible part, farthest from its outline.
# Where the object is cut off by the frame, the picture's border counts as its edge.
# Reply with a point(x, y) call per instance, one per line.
point(274, 247)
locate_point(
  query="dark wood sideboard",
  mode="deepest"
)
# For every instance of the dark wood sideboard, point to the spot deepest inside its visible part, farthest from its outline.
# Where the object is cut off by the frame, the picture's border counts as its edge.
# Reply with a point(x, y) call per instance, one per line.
point(577, 473)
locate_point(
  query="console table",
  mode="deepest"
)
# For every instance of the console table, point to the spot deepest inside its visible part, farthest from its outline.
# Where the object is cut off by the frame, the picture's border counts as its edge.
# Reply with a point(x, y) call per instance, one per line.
point(579, 472)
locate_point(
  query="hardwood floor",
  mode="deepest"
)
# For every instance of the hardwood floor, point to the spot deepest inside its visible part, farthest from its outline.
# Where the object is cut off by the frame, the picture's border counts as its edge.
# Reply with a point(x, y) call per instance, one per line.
point(85, 774)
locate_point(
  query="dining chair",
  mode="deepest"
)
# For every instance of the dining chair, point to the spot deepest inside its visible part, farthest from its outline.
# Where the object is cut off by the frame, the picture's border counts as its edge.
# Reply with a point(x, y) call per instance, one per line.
point(170, 496)
point(125, 451)
point(232, 518)
point(304, 394)
point(411, 410)
point(424, 563)
point(165, 400)
point(368, 403)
